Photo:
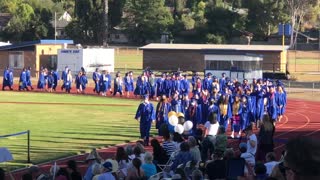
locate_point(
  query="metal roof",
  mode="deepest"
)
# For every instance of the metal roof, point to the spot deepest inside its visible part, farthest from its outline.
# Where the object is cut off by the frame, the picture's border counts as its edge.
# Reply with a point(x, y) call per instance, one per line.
point(206, 47)
point(33, 43)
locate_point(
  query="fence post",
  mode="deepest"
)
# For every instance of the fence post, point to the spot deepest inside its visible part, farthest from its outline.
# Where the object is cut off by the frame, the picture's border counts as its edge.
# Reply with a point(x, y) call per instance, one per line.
point(312, 88)
point(28, 145)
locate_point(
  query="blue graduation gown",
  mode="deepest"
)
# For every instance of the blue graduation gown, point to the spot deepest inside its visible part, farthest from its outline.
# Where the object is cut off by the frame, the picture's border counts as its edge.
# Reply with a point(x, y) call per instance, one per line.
point(41, 81)
point(146, 114)
point(281, 100)
point(50, 81)
point(176, 105)
point(272, 106)
point(78, 82)
point(96, 79)
point(194, 114)
point(128, 84)
point(185, 86)
point(28, 78)
point(83, 81)
point(162, 114)
point(168, 87)
point(138, 86)
point(5, 78)
point(259, 105)
point(23, 80)
point(55, 79)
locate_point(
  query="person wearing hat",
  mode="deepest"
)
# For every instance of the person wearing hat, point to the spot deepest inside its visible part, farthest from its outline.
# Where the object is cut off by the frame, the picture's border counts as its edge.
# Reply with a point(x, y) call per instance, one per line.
point(207, 83)
point(176, 104)
point(145, 114)
point(28, 78)
point(272, 104)
point(236, 116)
point(162, 110)
point(6, 79)
point(96, 78)
point(259, 96)
point(64, 77)
point(128, 83)
point(106, 170)
point(281, 100)
point(117, 84)
point(194, 114)
point(23, 80)
point(152, 85)
point(56, 78)
point(185, 85)
point(222, 81)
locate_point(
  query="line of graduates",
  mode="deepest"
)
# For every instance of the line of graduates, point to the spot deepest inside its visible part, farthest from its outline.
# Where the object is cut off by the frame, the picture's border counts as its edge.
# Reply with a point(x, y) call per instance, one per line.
point(235, 103)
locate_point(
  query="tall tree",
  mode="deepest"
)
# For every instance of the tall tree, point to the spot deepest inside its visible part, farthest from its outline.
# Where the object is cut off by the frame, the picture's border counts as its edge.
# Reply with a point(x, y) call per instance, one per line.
point(298, 10)
point(146, 19)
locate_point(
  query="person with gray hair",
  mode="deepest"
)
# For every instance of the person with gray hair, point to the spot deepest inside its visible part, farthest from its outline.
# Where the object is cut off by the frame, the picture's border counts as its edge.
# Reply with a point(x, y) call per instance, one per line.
point(148, 167)
point(194, 149)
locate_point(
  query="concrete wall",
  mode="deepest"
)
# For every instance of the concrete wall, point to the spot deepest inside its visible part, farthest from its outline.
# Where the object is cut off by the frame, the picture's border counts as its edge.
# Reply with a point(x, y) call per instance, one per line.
point(43, 49)
point(186, 60)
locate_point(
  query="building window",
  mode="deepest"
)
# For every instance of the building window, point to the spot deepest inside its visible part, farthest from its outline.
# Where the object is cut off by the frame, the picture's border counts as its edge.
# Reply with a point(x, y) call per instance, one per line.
point(233, 65)
point(16, 59)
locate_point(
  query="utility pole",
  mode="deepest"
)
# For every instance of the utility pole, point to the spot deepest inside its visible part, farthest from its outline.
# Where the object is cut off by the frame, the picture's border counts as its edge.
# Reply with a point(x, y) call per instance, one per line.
point(55, 26)
point(105, 21)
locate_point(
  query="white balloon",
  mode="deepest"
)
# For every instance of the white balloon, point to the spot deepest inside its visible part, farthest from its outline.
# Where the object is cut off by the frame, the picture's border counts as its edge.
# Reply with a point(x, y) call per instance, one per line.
point(187, 125)
point(173, 120)
point(179, 129)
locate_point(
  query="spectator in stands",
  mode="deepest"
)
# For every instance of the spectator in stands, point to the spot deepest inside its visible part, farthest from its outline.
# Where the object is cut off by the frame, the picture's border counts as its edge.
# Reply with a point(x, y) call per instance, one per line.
point(129, 151)
point(182, 157)
point(123, 162)
point(137, 151)
point(159, 154)
point(34, 173)
point(221, 140)
point(216, 169)
point(91, 159)
point(260, 171)
point(265, 137)
point(73, 170)
point(168, 145)
point(148, 167)
point(135, 172)
point(179, 174)
point(211, 130)
point(248, 157)
point(252, 141)
point(302, 159)
point(194, 149)
point(2, 174)
point(96, 171)
point(177, 139)
point(270, 162)
point(62, 174)
point(197, 175)
point(228, 154)
point(106, 171)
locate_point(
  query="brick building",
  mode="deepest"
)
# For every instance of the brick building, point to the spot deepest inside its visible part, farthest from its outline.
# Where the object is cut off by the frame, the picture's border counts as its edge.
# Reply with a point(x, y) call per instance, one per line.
point(31, 54)
point(191, 57)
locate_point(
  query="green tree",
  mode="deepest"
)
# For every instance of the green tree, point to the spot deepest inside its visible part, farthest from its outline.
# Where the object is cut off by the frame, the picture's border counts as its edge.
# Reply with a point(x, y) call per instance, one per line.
point(146, 19)
point(264, 17)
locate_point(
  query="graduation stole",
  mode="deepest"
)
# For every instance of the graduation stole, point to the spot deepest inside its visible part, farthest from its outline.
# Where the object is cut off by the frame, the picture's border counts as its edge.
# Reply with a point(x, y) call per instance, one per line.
point(223, 109)
point(192, 112)
point(235, 107)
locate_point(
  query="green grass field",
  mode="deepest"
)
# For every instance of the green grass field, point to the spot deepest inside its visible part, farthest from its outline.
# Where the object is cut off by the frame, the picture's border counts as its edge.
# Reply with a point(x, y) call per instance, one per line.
point(128, 62)
point(63, 130)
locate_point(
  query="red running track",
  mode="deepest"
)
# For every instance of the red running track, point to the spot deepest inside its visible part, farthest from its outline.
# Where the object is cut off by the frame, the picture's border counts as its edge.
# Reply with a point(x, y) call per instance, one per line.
point(300, 119)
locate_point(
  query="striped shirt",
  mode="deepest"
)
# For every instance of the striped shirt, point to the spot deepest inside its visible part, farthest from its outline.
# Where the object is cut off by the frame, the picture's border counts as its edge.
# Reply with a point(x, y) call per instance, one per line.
point(169, 147)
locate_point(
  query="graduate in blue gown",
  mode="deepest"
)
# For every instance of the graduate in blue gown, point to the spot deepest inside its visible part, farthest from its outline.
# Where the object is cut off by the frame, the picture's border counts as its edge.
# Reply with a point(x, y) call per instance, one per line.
point(64, 75)
point(250, 99)
point(194, 114)
point(236, 122)
point(224, 113)
point(104, 83)
point(11, 78)
point(56, 78)
point(83, 82)
point(68, 82)
point(41, 80)
point(23, 80)
point(160, 85)
point(109, 81)
point(245, 120)
point(260, 109)
point(162, 110)
point(205, 106)
point(144, 86)
point(272, 104)
point(28, 76)
point(222, 82)
point(6, 79)
point(152, 85)
point(50, 80)
point(138, 88)
point(176, 103)
point(96, 79)
point(117, 84)
point(78, 82)
point(185, 85)
point(168, 86)
point(145, 114)
point(185, 103)
point(281, 100)
point(128, 84)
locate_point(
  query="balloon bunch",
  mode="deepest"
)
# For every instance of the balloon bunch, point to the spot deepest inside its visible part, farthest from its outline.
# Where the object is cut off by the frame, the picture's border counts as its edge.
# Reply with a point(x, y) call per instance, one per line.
point(177, 120)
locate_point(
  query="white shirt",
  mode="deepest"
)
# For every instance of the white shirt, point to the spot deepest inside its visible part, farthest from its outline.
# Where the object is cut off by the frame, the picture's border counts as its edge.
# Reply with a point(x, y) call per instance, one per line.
point(212, 128)
point(270, 166)
point(251, 149)
point(250, 159)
